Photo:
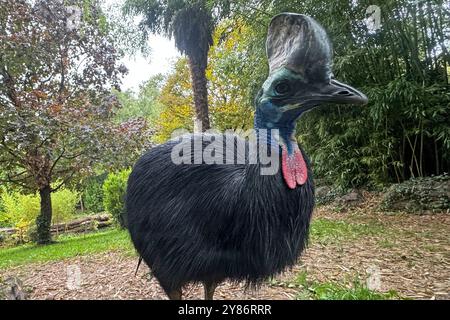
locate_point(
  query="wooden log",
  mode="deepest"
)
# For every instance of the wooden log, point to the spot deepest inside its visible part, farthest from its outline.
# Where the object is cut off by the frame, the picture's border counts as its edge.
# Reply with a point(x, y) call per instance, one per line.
point(7, 231)
point(84, 224)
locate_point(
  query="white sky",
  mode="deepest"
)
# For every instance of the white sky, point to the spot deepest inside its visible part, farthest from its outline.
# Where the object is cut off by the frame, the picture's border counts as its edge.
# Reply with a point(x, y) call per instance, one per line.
point(163, 53)
point(140, 68)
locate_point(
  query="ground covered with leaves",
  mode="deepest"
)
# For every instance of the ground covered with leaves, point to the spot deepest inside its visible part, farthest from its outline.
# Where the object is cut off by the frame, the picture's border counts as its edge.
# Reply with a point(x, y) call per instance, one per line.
point(355, 253)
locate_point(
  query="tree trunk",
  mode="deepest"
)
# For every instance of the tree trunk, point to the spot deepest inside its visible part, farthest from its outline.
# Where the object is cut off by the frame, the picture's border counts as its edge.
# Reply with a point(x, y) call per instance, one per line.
point(43, 221)
point(199, 86)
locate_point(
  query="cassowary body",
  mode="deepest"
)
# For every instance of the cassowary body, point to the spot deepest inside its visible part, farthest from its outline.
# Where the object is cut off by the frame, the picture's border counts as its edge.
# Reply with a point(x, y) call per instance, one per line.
point(210, 222)
point(206, 223)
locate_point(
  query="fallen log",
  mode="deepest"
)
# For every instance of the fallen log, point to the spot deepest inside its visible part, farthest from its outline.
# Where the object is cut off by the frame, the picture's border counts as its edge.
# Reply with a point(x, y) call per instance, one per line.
point(88, 223)
point(80, 223)
point(7, 231)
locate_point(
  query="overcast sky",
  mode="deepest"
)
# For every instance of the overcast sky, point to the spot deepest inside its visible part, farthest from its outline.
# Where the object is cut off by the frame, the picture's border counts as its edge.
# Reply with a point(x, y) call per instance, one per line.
point(163, 53)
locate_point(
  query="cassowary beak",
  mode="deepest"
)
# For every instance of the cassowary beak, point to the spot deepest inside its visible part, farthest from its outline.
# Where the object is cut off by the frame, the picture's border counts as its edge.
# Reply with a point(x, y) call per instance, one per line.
point(337, 92)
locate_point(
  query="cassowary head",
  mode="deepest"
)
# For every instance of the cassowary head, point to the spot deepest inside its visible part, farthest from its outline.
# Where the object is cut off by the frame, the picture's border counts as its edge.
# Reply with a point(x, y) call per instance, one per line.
point(300, 77)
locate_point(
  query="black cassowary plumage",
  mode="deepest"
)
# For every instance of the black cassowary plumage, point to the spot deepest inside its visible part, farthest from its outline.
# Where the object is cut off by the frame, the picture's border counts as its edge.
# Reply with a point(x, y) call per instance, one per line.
point(206, 223)
point(211, 222)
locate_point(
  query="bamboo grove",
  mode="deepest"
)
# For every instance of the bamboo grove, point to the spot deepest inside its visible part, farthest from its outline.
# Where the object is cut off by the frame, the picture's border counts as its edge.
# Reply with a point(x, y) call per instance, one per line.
point(404, 66)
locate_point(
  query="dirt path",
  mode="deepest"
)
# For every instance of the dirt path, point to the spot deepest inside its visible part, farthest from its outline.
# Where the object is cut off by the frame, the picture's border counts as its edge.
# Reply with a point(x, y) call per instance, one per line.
point(411, 255)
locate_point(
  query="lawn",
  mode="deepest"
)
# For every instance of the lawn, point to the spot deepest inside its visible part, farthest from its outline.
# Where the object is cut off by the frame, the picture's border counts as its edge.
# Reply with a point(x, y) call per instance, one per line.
point(66, 247)
point(326, 230)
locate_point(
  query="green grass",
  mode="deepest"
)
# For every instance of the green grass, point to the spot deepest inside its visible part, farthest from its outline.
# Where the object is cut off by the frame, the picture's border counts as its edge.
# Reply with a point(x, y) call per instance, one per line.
point(387, 244)
point(332, 290)
point(354, 290)
point(331, 231)
point(67, 247)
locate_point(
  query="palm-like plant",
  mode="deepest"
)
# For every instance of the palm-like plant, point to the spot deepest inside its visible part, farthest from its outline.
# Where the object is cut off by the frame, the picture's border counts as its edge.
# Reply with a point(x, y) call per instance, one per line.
point(191, 23)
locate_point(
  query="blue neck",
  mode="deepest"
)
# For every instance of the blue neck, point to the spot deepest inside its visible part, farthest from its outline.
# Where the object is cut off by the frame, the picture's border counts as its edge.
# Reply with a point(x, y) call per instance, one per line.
point(286, 129)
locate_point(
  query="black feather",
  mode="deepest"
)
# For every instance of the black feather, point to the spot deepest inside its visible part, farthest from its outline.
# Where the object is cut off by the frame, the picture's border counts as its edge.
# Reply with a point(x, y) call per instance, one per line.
point(208, 223)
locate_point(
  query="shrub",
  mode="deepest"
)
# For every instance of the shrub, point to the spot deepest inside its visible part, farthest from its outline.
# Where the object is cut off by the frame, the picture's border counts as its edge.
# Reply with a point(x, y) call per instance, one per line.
point(21, 210)
point(64, 202)
point(114, 190)
point(93, 194)
point(431, 194)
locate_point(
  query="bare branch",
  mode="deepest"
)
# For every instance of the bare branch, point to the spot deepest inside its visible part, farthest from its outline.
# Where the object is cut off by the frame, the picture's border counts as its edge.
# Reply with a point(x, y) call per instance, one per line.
point(63, 182)
point(16, 182)
point(56, 161)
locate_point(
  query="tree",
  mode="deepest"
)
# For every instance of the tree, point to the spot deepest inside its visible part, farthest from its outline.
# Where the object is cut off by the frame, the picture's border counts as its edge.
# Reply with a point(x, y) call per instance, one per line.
point(191, 23)
point(176, 98)
point(143, 105)
point(402, 65)
point(57, 68)
point(233, 76)
point(230, 85)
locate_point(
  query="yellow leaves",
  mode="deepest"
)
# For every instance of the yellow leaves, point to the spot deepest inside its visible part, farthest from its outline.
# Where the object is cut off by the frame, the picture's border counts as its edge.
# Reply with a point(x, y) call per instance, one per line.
point(229, 35)
point(171, 119)
point(209, 74)
point(177, 98)
point(232, 116)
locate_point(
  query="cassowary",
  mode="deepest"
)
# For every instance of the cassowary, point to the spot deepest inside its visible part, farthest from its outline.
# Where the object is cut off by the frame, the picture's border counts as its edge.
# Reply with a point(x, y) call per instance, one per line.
point(201, 222)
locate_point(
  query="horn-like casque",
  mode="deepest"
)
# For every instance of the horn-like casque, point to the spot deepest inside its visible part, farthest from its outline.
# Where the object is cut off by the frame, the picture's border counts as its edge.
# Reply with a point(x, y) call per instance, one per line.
point(299, 43)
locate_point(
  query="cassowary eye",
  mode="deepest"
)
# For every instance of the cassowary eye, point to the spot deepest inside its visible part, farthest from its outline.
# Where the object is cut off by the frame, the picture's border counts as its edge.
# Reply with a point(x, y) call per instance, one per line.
point(282, 88)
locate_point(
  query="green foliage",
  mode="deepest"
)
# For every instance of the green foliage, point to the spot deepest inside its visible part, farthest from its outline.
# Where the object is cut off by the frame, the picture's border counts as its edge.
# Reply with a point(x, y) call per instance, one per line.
point(68, 246)
point(114, 190)
point(18, 208)
point(355, 290)
point(93, 193)
point(431, 194)
point(145, 105)
point(64, 202)
point(56, 107)
point(330, 231)
point(21, 210)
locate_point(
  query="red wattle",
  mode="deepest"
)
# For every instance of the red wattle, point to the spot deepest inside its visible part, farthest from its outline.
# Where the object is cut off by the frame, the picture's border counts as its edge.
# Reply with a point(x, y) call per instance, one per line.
point(293, 168)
